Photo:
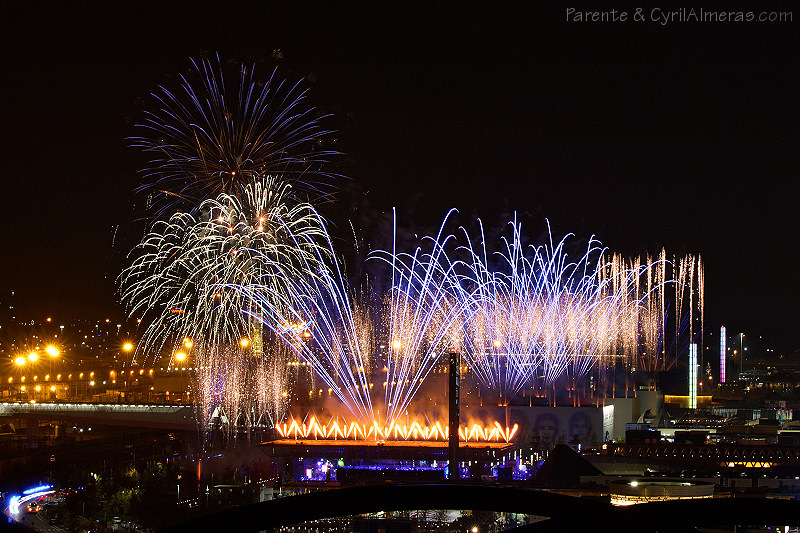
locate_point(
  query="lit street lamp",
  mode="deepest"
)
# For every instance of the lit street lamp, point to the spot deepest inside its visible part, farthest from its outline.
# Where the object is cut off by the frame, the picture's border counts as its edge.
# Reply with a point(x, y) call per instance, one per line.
point(53, 352)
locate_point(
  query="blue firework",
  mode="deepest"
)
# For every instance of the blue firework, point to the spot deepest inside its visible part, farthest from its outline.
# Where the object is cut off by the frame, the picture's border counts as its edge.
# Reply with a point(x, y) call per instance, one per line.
point(215, 132)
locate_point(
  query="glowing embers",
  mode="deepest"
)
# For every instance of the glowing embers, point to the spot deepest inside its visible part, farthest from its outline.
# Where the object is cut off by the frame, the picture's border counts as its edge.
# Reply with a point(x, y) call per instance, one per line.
point(375, 432)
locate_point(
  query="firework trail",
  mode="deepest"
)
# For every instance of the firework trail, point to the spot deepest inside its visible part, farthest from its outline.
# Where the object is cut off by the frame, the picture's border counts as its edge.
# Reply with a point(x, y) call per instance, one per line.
point(221, 386)
point(652, 341)
point(539, 312)
point(424, 316)
point(237, 387)
point(645, 343)
point(321, 322)
point(214, 134)
point(273, 380)
point(177, 278)
point(338, 336)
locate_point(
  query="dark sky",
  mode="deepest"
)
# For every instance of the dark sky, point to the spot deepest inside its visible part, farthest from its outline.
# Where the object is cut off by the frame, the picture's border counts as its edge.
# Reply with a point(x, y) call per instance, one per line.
point(683, 135)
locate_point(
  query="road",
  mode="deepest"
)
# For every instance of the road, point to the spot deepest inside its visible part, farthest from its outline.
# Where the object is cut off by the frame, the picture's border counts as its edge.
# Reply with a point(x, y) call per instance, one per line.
point(35, 521)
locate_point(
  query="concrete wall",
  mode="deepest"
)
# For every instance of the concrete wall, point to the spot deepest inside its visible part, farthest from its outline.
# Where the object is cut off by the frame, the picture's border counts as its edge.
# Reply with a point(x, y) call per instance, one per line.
point(626, 410)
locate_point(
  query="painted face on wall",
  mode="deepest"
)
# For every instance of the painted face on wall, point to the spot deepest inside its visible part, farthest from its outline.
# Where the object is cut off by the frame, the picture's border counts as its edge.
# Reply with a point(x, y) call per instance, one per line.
point(547, 427)
point(580, 427)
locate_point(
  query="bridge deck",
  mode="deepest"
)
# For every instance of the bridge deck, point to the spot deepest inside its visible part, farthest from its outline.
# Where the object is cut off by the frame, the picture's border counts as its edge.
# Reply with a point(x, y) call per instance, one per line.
point(179, 417)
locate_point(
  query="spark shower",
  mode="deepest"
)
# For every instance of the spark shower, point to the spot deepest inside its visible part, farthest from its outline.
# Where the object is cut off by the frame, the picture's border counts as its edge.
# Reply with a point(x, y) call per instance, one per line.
point(249, 281)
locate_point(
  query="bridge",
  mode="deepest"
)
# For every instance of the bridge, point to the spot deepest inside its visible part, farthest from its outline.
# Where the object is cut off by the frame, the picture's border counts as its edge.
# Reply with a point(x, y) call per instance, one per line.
point(174, 417)
point(711, 457)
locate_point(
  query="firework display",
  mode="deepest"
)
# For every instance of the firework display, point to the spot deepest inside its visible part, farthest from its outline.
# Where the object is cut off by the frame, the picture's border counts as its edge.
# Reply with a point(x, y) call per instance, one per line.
point(540, 314)
point(664, 288)
point(333, 430)
point(239, 389)
point(250, 281)
point(179, 273)
point(178, 281)
point(215, 133)
point(318, 319)
point(424, 317)
point(528, 319)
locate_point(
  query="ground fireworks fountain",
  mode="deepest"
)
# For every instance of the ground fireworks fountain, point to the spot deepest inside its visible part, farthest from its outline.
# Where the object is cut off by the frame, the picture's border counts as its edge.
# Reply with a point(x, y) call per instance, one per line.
point(376, 432)
point(540, 313)
point(530, 319)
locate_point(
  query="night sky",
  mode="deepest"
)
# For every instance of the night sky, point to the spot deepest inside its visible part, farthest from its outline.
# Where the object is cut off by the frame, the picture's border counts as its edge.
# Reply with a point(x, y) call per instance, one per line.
point(684, 136)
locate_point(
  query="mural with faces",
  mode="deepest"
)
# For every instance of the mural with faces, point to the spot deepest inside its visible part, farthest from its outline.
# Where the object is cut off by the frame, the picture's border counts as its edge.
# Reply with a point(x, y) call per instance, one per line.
point(541, 428)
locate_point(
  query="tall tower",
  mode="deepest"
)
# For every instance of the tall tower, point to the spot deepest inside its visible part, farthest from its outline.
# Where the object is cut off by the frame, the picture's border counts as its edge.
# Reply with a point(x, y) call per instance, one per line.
point(453, 413)
point(723, 348)
point(693, 375)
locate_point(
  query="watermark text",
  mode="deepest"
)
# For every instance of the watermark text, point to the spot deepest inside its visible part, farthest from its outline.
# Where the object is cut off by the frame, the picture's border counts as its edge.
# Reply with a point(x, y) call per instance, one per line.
point(665, 17)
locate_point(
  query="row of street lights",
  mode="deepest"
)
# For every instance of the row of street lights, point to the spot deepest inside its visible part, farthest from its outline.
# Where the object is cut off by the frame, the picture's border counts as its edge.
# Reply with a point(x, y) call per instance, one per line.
point(33, 356)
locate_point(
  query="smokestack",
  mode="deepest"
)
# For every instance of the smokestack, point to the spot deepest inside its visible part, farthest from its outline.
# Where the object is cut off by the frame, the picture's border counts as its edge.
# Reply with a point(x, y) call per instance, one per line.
point(454, 377)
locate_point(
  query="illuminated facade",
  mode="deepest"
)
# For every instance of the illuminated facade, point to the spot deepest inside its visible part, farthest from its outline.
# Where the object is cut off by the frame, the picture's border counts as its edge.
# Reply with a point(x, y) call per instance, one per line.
point(693, 375)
